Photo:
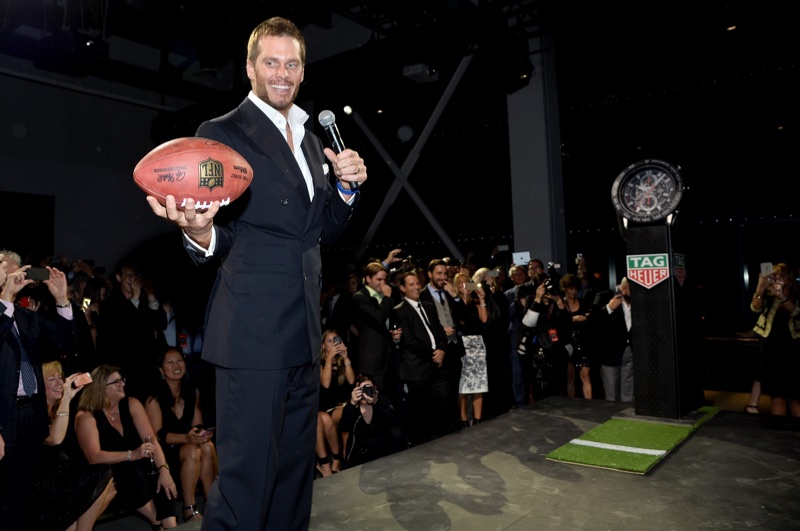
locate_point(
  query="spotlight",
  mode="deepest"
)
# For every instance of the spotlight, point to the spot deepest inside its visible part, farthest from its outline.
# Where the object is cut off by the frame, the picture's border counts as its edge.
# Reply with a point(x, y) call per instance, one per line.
point(348, 110)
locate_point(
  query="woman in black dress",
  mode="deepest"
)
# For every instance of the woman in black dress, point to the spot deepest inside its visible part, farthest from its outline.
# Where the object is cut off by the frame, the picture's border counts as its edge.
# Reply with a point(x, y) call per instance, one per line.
point(110, 428)
point(177, 418)
point(579, 310)
point(67, 494)
point(336, 378)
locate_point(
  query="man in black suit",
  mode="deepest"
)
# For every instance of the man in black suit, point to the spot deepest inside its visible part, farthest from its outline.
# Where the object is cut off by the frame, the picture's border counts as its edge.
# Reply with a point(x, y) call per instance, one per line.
point(612, 316)
point(23, 408)
point(263, 324)
point(450, 308)
point(372, 305)
point(422, 356)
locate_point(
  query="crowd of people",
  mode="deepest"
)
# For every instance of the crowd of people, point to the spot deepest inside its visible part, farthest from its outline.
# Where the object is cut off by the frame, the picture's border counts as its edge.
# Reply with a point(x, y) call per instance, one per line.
point(410, 352)
point(103, 410)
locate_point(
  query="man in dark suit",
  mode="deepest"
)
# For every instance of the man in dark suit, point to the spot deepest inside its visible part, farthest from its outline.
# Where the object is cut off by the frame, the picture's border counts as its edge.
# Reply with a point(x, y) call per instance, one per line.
point(262, 324)
point(24, 422)
point(372, 305)
point(422, 352)
point(451, 311)
point(612, 323)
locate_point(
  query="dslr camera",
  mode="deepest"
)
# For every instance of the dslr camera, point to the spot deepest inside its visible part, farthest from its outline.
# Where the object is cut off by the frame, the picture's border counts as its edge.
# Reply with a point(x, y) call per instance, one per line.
point(553, 283)
point(370, 391)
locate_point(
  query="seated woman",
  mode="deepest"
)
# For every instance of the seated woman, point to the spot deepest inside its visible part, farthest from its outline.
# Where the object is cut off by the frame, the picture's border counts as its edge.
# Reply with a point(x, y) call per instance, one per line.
point(336, 380)
point(110, 428)
point(176, 417)
point(67, 494)
point(372, 424)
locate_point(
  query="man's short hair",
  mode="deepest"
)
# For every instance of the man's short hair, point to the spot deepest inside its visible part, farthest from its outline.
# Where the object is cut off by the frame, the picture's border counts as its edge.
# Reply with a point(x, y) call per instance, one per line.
point(436, 262)
point(274, 27)
point(407, 274)
point(11, 257)
point(373, 268)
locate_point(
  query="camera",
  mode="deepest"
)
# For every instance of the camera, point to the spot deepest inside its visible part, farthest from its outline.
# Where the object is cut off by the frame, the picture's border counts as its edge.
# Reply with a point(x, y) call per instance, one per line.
point(552, 284)
point(370, 391)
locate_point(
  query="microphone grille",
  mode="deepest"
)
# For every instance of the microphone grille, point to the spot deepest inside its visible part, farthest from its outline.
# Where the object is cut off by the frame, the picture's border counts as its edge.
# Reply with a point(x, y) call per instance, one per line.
point(326, 118)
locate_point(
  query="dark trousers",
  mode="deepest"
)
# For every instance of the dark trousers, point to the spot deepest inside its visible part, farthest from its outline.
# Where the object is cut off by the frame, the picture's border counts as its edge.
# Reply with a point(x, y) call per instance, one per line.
point(427, 408)
point(17, 469)
point(266, 430)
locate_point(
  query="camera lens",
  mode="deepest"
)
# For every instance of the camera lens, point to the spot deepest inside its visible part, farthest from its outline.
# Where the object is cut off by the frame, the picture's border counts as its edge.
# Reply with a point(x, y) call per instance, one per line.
point(369, 391)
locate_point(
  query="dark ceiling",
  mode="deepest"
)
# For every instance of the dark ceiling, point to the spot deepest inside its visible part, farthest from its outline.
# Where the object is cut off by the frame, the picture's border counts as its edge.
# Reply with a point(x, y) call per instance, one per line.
point(658, 79)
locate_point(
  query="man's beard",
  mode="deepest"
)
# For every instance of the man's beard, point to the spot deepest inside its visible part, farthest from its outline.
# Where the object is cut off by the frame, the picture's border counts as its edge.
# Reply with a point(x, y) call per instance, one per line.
point(262, 91)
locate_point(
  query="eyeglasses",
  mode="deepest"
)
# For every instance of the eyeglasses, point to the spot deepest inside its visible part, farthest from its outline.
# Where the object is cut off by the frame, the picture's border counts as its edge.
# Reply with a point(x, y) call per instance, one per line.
point(116, 382)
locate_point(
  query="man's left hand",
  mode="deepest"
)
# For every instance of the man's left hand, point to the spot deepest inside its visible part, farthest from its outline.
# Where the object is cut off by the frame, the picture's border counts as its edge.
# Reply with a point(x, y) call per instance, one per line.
point(57, 284)
point(347, 166)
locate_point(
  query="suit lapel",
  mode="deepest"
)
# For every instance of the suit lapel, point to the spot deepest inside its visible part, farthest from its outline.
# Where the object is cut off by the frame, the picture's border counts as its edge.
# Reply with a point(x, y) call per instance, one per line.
point(270, 141)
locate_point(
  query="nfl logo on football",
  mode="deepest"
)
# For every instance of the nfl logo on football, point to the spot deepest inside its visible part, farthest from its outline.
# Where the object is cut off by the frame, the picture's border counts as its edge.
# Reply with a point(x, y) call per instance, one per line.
point(210, 172)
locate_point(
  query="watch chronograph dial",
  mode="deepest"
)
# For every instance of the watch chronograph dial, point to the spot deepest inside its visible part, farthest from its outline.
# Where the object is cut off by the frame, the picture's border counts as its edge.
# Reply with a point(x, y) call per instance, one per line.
point(647, 191)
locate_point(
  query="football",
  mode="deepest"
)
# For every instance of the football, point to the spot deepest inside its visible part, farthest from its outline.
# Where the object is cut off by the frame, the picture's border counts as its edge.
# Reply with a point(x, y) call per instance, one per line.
point(192, 167)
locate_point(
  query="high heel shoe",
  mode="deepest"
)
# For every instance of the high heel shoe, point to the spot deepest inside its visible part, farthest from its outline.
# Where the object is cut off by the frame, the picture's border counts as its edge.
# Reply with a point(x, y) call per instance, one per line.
point(336, 459)
point(193, 513)
point(158, 526)
point(321, 463)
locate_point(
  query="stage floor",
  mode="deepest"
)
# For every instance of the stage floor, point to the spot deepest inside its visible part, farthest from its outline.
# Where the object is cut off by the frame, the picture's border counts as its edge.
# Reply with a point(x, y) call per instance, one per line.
point(737, 471)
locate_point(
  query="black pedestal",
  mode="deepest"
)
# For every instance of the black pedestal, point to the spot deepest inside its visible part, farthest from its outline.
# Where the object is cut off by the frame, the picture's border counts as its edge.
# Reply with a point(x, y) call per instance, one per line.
point(663, 383)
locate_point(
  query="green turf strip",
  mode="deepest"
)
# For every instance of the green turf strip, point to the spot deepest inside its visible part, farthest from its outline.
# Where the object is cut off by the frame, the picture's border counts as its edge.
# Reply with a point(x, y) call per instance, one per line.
point(630, 434)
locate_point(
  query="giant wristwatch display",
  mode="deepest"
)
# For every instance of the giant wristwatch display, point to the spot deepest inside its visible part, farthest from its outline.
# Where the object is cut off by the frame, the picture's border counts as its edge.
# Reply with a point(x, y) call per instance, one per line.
point(647, 191)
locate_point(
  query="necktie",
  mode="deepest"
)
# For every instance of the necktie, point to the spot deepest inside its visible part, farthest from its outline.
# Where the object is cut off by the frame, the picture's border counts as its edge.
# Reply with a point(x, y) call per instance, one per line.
point(25, 366)
point(427, 324)
point(441, 296)
point(424, 317)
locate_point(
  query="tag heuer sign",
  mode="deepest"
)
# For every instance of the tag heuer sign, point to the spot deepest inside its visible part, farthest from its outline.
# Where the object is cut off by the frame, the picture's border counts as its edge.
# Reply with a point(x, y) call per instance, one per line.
point(648, 269)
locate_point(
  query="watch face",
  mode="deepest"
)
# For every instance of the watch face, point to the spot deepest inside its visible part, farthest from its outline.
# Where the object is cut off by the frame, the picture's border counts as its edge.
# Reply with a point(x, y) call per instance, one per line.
point(647, 191)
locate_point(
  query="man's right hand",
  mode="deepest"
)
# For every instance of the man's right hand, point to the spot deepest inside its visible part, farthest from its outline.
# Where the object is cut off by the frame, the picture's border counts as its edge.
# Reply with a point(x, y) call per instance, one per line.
point(197, 225)
point(386, 289)
point(14, 283)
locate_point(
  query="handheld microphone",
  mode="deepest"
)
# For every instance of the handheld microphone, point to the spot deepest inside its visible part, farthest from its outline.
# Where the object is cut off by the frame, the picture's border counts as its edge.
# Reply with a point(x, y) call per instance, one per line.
point(328, 122)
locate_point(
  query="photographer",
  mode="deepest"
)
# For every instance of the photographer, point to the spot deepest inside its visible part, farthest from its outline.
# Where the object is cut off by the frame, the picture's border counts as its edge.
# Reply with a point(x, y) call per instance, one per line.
point(372, 424)
point(776, 303)
point(550, 341)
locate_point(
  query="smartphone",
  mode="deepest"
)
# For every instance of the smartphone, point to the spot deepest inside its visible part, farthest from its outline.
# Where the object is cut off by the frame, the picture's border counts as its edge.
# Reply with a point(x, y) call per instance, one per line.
point(86, 302)
point(37, 273)
point(766, 269)
point(578, 258)
point(82, 379)
point(472, 286)
point(617, 291)
point(493, 273)
point(207, 432)
point(337, 340)
point(502, 247)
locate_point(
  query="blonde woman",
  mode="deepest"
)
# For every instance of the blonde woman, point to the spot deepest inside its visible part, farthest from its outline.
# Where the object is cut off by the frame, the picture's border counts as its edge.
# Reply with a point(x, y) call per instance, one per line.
point(67, 494)
point(114, 429)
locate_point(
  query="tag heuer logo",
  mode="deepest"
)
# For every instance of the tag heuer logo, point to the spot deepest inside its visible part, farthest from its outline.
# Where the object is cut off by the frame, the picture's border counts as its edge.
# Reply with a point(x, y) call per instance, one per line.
point(648, 269)
point(210, 173)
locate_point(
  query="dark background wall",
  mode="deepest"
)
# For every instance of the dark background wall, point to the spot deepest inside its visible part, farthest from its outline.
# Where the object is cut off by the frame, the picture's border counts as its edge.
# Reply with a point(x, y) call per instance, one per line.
point(665, 80)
